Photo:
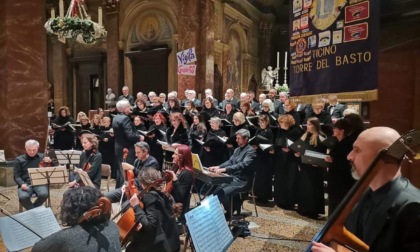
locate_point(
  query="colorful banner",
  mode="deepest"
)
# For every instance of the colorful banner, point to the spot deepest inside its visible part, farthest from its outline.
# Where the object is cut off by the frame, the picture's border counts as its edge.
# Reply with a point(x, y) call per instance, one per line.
point(186, 56)
point(187, 70)
point(334, 48)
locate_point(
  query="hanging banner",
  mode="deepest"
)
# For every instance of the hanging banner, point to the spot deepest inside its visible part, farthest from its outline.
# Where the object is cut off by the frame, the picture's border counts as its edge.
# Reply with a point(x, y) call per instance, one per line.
point(334, 48)
point(186, 56)
point(187, 70)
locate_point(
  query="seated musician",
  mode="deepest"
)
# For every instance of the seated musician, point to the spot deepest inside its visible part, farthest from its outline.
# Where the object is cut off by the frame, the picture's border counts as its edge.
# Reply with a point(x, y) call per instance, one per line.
point(157, 229)
point(183, 177)
point(144, 159)
point(31, 159)
point(387, 216)
point(97, 234)
point(90, 161)
point(240, 166)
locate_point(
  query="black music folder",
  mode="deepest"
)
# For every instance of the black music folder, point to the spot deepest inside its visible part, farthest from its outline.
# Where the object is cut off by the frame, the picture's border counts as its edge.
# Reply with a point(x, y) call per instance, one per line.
point(212, 143)
point(315, 158)
point(230, 140)
point(329, 142)
point(148, 133)
point(256, 140)
point(253, 120)
point(299, 146)
point(265, 147)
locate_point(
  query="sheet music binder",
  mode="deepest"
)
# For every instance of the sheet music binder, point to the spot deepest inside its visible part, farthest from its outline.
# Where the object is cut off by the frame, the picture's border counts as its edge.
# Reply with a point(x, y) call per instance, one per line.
point(315, 158)
point(16, 237)
point(207, 226)
point(299, 146)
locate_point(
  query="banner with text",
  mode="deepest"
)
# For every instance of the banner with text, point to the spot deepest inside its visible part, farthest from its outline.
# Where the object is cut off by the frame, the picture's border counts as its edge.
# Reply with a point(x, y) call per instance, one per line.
point(334, 48)
point(186, 56)
point(187, 69)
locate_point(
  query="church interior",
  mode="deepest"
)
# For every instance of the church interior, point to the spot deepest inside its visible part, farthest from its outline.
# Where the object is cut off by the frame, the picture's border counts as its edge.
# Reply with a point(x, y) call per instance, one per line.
point(233, 41)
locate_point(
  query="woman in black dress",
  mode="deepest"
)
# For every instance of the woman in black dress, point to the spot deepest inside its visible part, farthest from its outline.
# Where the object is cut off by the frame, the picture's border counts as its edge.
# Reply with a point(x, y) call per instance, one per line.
point(216, 153)
point(158, 230)
point(155, 148)
point(198, 131)
point(209, 108)
point(107, 146)
point(63, 134)
point(311, 201)
point(264, 162)
point(286, 163)
point(339, 177)
point(90, 161)
point(183, 178)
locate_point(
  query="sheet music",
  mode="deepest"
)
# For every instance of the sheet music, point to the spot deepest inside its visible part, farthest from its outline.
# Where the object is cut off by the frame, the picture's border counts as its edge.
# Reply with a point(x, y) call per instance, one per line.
point(16, 237)
point(199, 141)
point(289, 142)
point(264, 146)
point(208, 227)
point(68, 156)
point(222, 139)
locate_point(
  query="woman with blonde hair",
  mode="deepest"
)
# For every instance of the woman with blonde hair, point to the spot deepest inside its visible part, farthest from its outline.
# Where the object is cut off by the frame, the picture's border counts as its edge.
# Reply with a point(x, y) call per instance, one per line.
point(311, 200)
point(286, 164)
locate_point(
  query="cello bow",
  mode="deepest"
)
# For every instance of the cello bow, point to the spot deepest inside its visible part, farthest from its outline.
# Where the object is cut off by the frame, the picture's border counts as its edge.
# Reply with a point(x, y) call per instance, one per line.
point(334, 232)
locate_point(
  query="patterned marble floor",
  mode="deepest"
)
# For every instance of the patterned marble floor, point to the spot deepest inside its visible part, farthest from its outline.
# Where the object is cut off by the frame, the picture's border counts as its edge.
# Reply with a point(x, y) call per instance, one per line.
point(276, 229)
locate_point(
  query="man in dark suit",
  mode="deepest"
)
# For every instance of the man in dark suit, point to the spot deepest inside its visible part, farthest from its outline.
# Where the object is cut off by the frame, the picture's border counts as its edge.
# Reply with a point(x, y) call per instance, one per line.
point(125, 135)
point(126, 96)
point(193, 98)
point(335, 109)
point(30, 159)
point(209, 93)
point(229, 97)
point(272, 93)
point(240, 166)
point(387, 217)
point(254, 105)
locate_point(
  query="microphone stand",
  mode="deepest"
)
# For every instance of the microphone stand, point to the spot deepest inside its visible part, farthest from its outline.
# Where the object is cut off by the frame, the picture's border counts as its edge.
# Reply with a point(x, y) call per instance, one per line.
point(13, 218)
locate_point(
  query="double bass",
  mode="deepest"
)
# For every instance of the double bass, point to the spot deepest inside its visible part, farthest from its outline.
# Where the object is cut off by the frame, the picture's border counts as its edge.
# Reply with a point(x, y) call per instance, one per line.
point(127, 223)
point(334, 232)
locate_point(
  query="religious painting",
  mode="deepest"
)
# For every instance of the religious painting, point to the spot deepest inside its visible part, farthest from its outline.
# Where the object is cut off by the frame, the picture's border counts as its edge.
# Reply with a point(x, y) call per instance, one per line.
point(234, 62)
point(150, 28)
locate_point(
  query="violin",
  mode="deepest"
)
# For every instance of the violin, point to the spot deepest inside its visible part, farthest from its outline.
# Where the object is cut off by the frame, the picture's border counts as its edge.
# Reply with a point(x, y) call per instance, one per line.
point(44, 163)
point(127, 223)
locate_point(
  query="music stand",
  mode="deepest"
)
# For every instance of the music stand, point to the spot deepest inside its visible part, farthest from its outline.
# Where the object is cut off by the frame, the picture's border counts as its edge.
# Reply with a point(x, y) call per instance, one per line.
point(68, 157)
point(48, 176)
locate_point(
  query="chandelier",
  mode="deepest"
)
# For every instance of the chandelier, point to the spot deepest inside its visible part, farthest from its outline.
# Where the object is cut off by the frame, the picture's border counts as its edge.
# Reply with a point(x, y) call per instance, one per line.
point(76, 24)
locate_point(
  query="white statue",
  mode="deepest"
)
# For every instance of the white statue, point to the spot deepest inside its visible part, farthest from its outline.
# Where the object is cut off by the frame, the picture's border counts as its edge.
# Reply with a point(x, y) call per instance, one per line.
point(268, 76)
point(109, 98)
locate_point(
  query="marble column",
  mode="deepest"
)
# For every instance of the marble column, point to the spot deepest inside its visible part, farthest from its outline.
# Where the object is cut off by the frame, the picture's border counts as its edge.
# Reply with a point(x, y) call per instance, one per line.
point(205, 52)
point(23, 75)
point(187, 38)
point(112, 60)
point(59, 68)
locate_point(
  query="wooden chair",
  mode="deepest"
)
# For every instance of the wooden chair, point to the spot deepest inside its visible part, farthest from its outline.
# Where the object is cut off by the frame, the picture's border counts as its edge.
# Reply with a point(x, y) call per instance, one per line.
point(106, 172)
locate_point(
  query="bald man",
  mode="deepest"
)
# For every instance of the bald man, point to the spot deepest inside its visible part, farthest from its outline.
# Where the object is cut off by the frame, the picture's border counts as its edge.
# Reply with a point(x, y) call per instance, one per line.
point(387, 216)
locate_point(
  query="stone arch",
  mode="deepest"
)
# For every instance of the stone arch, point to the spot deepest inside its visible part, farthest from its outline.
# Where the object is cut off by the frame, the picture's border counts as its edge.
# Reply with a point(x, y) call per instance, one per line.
point(142, 25)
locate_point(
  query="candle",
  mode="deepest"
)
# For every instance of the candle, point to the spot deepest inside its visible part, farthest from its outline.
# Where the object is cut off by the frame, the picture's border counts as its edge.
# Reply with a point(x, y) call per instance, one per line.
point(61, 8)
point(278, 59)
point(52, 13)
point(285, 60)
point(100, 16)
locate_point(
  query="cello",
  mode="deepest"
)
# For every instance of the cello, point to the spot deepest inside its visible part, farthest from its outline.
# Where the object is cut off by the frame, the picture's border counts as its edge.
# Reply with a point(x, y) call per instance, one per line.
point(131, 188)
point(127, 223)
point(334, 233)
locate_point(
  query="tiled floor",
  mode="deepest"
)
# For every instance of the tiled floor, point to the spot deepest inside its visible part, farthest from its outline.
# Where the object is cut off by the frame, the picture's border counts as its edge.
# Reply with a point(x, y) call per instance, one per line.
point(277, 229)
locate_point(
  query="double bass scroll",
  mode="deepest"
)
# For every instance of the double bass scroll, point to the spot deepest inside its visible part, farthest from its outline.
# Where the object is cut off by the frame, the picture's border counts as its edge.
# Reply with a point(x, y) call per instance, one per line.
point(334, 232)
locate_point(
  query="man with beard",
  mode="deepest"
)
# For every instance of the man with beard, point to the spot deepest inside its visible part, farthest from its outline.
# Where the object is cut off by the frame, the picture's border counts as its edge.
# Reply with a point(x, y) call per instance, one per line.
point(387, 216)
